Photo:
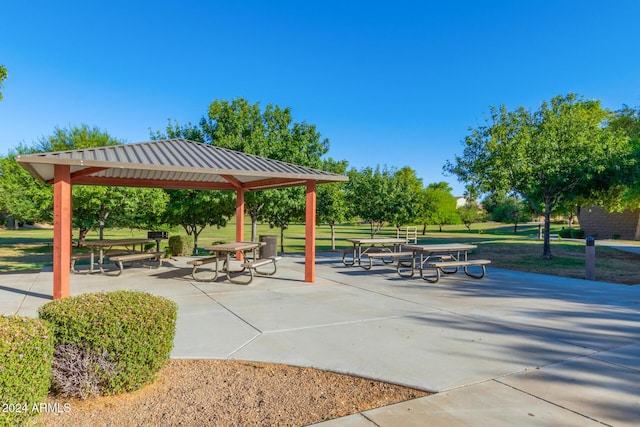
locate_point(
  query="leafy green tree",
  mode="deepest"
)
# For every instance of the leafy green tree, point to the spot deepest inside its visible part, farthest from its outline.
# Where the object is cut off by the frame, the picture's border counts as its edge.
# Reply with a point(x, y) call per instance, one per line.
point(627, 121)
point(194, 210)
point(559, 153)
point(93, 206)
point(241, 126)
point(24, 198)
point(438, 206)
point(511, 210)
point(404, 201)
point(369, 192)
point(97, 206)
point(332, 205)
point(469, 214)
point(100, 207)
point(3, 75)
point(286, 205)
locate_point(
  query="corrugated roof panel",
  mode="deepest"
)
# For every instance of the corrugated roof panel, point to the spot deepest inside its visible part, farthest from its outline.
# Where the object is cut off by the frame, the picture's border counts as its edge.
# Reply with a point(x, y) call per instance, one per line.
point(175, 159)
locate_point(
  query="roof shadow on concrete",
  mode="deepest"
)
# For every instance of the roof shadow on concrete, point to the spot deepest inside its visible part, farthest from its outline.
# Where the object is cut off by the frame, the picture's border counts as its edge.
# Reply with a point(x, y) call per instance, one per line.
point(25, 292)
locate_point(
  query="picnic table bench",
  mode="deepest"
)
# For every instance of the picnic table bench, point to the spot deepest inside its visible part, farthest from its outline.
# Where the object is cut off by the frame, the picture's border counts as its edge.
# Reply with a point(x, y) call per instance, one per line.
point(87, 256)
point(119, 260)
point(440, 265)
point(222, 253)
point(254, 265)
point(367, 246)
point(440, 257)
point(395, 256)
point(200, 262)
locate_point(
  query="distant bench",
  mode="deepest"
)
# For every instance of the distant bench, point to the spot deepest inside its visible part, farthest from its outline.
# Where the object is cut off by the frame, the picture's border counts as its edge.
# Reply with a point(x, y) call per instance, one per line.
point(440, 265)
point(121, 259)
point(404, 256)
point(85, 256)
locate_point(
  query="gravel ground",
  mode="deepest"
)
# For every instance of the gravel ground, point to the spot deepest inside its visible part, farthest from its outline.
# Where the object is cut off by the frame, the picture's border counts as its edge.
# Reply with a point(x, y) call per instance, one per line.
point(232, 393)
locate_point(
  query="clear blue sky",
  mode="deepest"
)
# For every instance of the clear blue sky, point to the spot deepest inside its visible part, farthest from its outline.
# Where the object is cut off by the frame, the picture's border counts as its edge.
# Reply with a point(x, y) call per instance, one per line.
point(388, 83)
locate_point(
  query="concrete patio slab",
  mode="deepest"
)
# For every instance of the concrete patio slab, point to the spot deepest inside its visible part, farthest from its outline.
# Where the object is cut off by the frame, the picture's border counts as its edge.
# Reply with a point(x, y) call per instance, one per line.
point(487, 404)
point(595, 389)
point(206, 330)
point(432, 350)
point(627, 356)
point(510, 349)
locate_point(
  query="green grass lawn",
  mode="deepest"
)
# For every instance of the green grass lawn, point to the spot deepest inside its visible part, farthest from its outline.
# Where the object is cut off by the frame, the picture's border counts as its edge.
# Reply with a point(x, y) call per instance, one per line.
point(29, 249)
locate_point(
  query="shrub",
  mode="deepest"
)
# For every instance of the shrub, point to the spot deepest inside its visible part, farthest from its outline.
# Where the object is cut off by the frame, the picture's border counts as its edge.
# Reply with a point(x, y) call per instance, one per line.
point(79, 372)
point(149, 246)
point(180, 245)
point(134, 330)
point(565, 233)
point(577, 233)
point(26, 351)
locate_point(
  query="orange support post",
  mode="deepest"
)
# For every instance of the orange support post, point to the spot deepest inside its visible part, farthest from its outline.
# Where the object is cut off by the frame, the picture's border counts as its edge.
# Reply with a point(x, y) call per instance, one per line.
point(239, 219)
point(310, 234)
point(61, 231)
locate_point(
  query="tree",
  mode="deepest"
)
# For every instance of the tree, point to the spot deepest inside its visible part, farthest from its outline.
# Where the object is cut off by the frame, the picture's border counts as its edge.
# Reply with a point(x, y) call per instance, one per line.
point(511, 210)
point(562, 152)
point(403, 205)
point(93, 206)
point(285, 206)
point(96, 206)
point(369, 192)
point(438, 206)
point(332, 199)
point(241, 126)
point(24, 198)
point(196, 209)
point(469, 214)
point(3, 75)
point(627, 121)
point(100, 207)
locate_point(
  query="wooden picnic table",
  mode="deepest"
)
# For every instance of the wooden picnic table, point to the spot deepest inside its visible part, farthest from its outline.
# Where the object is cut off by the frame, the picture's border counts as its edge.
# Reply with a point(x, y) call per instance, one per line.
point(225, 250)
point(439, 257)
point(365, 246)
point(106, 245)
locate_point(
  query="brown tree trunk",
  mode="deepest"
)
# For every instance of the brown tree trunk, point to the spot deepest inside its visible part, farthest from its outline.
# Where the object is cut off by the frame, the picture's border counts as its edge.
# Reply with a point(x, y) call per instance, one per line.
point(546, 246)
point(82, 236)
point(332, 225)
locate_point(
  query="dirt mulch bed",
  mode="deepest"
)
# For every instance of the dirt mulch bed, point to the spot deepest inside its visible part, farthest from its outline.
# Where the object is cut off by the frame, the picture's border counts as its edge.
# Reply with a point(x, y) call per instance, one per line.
point(232, 393)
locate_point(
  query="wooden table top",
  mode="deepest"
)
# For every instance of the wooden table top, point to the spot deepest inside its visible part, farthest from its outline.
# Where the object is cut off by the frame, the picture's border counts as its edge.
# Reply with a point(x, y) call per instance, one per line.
point(115, 242)
point(235, 246)
point(441, 247)
point(375, 240)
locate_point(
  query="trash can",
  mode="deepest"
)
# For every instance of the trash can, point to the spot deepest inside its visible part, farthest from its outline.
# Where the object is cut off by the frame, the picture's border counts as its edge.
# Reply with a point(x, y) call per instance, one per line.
point(271, 246)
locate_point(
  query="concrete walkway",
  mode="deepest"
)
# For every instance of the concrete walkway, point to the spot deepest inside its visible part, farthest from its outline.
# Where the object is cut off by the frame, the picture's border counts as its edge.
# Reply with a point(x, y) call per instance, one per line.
point(510, 349)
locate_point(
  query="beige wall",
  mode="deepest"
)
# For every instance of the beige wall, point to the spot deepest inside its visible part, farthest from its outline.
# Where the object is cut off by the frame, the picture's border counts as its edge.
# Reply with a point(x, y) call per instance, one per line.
point(597, 221)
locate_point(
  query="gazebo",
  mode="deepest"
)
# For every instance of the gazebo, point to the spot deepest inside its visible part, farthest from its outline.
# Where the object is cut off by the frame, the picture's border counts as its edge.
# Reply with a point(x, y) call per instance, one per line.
point(170, 164)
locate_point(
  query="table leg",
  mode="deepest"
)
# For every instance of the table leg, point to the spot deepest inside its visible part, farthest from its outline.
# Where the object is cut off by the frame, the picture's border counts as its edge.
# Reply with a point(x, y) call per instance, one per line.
point(353, 257)
point(92, 260)
point(413, 266)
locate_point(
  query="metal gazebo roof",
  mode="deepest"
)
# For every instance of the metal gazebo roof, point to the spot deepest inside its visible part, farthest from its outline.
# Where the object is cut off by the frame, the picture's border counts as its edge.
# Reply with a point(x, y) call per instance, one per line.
point(173, 163)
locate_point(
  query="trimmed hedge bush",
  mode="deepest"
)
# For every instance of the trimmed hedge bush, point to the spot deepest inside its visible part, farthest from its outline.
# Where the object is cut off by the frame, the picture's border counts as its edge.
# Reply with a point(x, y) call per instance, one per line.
point(180, 246)
point(573, 233)
point(26, 352)
point(78, 372)
point(577, 233)
point(565, 233)
point(133, 330)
